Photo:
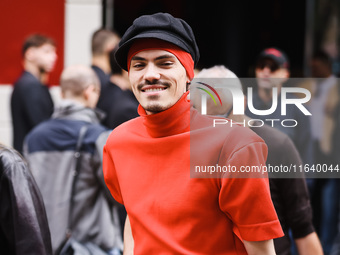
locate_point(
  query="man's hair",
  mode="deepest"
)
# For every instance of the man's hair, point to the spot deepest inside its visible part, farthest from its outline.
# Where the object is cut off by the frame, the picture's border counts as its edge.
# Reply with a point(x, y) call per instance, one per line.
point(36, 40)
point(218, 72)
point(75, 79)
point(226, 79)
point(99, 39)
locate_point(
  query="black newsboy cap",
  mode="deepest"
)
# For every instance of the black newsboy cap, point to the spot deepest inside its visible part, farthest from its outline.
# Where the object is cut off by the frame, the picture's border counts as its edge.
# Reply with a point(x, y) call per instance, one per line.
point(161, 26)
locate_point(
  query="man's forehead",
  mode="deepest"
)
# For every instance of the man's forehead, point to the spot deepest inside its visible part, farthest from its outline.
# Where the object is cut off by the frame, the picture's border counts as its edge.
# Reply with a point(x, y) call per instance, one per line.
point(267, 60)
point(46, 46)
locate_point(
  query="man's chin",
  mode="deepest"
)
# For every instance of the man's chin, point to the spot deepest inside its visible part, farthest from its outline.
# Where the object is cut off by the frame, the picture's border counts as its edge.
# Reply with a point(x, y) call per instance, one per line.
point(155, 108)
point(266, 85)
point(46, 70)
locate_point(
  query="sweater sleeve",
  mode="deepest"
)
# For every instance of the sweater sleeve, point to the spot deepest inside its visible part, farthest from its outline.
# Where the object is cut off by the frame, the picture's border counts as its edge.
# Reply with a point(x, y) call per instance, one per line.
point(246, 200)
point(110, 174)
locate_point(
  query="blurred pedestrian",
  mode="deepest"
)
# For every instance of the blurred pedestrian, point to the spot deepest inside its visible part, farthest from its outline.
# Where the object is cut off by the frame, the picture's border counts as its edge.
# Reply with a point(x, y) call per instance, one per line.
point(272, 71)
point(119, 103)
point(102, 43)
point(50, 149)
point(324, 107)
point(31, 102)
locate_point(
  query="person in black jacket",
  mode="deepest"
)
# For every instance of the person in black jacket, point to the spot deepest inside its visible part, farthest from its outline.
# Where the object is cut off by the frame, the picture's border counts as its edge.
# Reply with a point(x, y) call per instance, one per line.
point(102, 42)
point(31, 102)
point(116, 101)
point(23, 223)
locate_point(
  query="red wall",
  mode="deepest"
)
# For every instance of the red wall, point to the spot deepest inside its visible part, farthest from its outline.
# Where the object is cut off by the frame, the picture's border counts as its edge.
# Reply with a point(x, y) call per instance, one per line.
point(19, 19)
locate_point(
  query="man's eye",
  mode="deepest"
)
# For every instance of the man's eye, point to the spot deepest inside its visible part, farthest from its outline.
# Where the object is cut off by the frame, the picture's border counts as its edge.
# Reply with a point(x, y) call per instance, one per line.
point(138, 65)
point(167, 63)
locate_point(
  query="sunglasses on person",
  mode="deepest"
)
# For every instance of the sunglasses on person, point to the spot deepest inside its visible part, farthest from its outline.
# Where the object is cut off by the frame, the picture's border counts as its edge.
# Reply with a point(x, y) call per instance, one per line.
point(273, 66)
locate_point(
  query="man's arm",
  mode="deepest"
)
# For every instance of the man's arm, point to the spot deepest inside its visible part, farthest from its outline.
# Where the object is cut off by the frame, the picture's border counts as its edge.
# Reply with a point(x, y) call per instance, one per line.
point(309, 244)
point(128, 238)
point(260, 247)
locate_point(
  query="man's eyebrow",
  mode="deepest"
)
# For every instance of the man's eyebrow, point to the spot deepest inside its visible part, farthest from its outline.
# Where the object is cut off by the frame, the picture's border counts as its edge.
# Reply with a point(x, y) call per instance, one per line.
point(158, 58)
point(137, 58)
point(165, 56)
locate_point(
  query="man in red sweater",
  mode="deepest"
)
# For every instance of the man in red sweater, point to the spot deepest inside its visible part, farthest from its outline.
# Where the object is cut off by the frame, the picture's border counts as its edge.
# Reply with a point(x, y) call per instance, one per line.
point(149, 160)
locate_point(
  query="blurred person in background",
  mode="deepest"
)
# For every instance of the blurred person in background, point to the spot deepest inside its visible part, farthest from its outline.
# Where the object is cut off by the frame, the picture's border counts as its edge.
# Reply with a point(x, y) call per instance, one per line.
point(103, 41)
point(31, 102)
point(50, 148)
point(119, 76)
point(324, 107)
point(272, 71)
point(116, 100)
point(119, 103)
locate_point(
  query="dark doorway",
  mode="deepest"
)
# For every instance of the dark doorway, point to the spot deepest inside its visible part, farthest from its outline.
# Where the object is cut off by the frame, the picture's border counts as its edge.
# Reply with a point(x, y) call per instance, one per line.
point(231, 33)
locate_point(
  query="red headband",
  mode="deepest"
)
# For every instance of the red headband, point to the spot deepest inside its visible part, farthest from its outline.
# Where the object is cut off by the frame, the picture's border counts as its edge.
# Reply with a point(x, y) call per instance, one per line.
point(155, 44)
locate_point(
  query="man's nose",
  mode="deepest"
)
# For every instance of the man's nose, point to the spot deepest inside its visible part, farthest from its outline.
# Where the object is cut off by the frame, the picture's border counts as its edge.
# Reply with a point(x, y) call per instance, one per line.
point(151, 72)
point(266, 71)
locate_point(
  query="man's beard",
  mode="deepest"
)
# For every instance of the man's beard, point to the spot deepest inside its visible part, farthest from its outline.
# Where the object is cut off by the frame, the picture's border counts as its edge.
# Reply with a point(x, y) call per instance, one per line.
point(156, 108)
point(42, 70)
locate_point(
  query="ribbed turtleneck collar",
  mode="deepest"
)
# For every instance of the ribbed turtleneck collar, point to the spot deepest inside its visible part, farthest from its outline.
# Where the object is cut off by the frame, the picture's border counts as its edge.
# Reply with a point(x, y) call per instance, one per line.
point(172, 121)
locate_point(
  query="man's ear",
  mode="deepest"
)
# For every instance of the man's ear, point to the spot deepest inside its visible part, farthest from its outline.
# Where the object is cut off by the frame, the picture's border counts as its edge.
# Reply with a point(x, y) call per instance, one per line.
point(29, 54)
point(287, 73)
point(87, 92)
point(62, 94)
point(284, 73)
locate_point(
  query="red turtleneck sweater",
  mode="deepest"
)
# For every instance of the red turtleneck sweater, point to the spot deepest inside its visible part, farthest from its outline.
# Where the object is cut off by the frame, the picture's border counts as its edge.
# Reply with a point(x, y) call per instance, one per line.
point(147, 164)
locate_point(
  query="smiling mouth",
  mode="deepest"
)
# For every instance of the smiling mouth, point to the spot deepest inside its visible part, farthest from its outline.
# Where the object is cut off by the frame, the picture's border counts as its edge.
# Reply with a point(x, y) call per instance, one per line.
point(153, 89)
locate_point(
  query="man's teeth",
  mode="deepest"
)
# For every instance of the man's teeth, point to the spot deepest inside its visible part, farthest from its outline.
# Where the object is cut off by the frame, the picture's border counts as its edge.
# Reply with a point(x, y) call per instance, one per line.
point(154, 90)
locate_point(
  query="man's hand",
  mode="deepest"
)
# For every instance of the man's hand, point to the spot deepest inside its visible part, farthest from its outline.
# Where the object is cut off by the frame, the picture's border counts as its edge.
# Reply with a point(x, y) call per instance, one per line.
point(309, 244)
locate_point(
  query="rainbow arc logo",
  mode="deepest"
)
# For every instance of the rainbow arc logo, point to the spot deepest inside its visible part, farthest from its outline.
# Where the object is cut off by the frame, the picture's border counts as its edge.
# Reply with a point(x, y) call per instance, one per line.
point(209, 93)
